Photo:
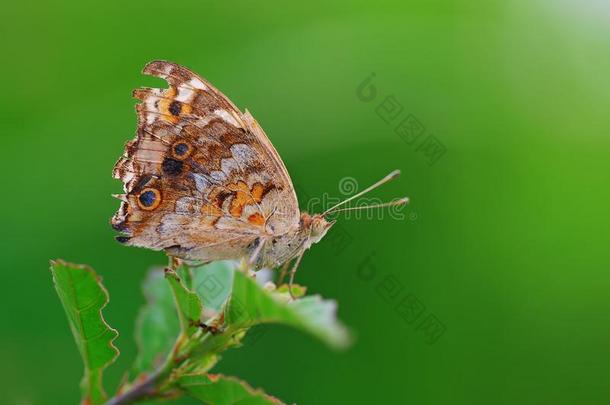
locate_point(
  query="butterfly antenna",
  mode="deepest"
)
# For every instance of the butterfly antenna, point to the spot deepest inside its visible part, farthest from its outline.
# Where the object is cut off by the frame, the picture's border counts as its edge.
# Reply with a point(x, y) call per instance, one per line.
point(387, 178)
point(402, 201)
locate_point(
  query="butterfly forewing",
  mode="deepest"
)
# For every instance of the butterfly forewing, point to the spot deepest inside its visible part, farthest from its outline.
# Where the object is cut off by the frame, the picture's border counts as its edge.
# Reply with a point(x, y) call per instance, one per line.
point(201, 179)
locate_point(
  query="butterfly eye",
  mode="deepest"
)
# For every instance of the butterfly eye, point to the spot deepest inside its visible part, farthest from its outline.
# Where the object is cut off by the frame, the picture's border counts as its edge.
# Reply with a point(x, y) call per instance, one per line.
point(149, 199)
point(181, 150)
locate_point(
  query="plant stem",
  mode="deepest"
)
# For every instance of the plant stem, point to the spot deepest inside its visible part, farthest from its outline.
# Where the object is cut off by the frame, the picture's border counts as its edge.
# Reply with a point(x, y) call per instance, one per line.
point(148, 387)
point(139, 391)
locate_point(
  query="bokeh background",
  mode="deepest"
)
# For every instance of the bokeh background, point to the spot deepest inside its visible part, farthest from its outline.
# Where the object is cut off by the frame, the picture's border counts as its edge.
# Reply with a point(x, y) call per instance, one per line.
point(505, 244)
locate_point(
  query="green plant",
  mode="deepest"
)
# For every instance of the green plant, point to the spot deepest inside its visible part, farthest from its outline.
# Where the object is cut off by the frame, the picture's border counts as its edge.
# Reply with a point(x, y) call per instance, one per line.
point(191, 316)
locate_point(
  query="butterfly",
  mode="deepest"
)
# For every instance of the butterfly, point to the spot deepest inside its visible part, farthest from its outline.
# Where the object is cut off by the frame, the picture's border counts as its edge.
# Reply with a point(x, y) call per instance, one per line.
point(202, 181)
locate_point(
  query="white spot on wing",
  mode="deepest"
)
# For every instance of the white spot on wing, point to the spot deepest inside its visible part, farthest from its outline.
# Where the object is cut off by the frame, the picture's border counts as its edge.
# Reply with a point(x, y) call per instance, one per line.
point(227, 117)
point(167, 68)
point(228, 165)
point(150, 103)
point(201, 182)
point(198, 84)
point(243, 153)
point(185, 94)
point(150, 118)
point(218, 176)
point(128, 176)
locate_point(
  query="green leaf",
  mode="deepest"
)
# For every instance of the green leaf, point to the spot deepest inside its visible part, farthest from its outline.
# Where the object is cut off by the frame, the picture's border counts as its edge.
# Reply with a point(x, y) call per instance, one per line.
point(157, 326)
point(212, 283)
point(187, 303)
point(83, 297)
point(217, 389)
point(250, 304)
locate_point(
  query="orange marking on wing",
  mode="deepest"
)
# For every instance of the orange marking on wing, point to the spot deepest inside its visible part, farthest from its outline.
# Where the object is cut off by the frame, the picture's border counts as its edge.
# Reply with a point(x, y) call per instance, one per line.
point(164, 103)
point(186, 109)
point(244, 196)
point(256, 219)
point(257, 192)
point(173, 113)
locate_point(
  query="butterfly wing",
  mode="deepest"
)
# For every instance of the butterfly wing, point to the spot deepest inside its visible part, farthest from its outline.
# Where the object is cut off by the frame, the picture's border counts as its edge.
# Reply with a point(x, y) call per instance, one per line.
point(201, 179)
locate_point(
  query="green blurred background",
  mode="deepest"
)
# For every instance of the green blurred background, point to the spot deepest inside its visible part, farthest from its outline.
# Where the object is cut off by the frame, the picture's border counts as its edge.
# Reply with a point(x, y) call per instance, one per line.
point(505, 242)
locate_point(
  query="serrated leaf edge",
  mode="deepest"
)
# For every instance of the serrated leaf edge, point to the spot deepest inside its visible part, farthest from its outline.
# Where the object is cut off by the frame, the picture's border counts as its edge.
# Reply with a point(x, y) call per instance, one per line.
point(113, 331)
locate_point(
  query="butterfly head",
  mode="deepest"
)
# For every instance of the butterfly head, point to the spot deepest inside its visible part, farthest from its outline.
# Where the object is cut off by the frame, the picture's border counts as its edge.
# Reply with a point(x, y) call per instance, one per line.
point(315, 226)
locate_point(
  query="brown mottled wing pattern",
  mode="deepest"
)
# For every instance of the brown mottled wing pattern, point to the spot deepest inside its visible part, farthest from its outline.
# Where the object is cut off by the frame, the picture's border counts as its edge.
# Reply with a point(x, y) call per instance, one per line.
point(201, 179)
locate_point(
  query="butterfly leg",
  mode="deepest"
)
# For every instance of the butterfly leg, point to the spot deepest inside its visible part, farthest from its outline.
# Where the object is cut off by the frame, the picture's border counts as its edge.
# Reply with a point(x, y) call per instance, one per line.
point(174, 262)
point(283, 272)
point(260, 243)
point(293, 271)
